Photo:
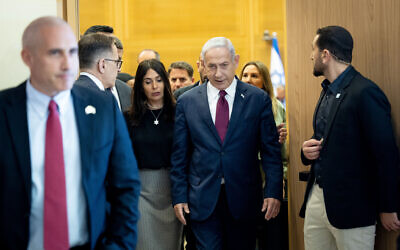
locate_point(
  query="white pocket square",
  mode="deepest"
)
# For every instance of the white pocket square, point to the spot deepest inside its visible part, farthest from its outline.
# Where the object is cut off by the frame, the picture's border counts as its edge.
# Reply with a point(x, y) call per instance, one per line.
point(90, 110)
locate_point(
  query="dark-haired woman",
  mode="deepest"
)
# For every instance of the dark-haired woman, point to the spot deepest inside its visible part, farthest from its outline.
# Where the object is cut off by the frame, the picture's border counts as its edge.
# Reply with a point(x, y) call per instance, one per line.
point(150, 123)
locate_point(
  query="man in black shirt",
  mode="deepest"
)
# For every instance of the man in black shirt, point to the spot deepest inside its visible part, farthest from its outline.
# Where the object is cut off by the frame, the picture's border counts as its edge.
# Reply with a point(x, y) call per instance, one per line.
point(353, 153)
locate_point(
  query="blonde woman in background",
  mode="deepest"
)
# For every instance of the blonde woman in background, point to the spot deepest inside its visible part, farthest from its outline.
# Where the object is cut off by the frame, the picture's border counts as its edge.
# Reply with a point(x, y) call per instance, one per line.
point(270, 233)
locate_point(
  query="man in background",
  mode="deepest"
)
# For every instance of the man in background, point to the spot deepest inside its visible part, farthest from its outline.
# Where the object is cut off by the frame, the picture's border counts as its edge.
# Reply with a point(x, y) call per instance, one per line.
point(147, 54)
point(63, 149)
point(180, 75)
point(203, 79)
point(99, 63)
point(120, 89)
point(353, 154)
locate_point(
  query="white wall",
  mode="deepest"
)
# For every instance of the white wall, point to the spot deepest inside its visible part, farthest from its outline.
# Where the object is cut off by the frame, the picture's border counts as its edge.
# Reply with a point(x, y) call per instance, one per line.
point(15, 15)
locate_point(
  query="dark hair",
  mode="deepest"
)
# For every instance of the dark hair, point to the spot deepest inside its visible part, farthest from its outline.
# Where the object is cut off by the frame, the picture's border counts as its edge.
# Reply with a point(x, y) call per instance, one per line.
point(139, 99)
point(99, 28)
point(92, 47)
point(118, 43)
point(337, 40)
point(181, 65)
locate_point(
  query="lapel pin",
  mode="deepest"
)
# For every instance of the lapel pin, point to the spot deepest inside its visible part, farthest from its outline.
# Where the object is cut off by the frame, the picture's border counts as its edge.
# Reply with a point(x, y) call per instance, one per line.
point(242, 96)
point(337, 95)
point(90, 110)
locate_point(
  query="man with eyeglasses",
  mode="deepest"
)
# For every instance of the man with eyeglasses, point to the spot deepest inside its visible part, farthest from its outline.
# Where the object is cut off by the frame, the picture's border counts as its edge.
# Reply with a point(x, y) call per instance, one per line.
point(99, 64)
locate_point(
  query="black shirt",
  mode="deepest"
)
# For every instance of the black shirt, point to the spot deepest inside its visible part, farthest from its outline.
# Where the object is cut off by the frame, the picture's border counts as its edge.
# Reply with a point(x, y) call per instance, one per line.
point(330, 92)
point(152, 143)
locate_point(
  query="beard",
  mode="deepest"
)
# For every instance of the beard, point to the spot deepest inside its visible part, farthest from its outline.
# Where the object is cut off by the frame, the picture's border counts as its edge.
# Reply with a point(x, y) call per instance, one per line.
point(318, 68)
point(317, 72)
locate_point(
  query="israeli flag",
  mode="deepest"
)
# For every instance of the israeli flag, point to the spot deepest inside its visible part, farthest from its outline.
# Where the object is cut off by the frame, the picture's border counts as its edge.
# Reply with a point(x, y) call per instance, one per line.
point(276, 68)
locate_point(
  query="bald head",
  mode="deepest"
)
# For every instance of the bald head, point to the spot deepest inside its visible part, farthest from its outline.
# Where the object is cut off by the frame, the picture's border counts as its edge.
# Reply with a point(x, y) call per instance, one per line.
point(148, 54)
point(32, 33)
point(50, 50)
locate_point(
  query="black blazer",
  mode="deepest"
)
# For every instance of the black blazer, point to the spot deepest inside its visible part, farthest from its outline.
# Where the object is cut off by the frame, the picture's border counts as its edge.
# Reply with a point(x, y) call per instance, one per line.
point(359, 156)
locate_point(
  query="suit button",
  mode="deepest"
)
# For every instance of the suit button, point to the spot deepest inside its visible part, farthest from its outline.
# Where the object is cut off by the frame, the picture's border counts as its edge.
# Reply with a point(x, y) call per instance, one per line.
point(222, 153)
point(320, 158)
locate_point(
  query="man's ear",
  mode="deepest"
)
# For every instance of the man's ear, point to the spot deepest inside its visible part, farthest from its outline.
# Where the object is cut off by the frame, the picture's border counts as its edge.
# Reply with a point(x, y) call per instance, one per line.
point(101, 66)
point(192, 79)
point(26, 57)
point(198, 64)
point(325, 55)
point(236, 60)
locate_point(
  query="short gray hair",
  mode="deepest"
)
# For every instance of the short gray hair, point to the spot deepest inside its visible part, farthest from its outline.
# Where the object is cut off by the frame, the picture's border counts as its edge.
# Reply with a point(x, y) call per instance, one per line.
point(216, 42)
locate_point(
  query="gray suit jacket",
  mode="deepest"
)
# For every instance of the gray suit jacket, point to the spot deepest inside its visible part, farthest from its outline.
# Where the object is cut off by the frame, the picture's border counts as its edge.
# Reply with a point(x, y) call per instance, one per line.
point(124, 94)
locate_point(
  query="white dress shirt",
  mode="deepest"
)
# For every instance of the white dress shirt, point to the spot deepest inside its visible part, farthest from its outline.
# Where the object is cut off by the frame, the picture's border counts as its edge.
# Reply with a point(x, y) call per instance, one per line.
point(101, 86)
point(37, 111)
point(213, 96)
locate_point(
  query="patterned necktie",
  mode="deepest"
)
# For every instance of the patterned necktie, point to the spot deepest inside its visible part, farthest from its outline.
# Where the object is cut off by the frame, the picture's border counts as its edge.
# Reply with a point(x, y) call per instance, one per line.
point(55, 224)
point(222, 115)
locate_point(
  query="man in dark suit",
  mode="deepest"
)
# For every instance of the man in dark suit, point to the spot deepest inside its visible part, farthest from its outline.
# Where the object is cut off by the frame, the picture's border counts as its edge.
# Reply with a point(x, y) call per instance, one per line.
point(120, 90)
point(62, 151)
point(220, 127)
point(99, 64)
point(353, 154)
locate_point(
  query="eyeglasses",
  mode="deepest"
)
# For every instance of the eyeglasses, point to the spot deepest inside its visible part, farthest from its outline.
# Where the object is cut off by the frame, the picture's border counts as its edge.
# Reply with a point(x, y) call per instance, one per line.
point(118, 62)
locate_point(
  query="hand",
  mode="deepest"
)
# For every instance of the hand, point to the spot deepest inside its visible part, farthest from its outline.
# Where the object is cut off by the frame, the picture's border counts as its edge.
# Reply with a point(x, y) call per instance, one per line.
point(180, 209)
point(311, 148)
point(272, 206)
point(390, 221)
point(283, 197)
point(282, 132)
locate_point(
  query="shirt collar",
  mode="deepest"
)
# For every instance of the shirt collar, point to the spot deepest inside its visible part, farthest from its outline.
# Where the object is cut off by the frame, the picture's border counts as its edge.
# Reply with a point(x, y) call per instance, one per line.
point(336, 85)
point(96, 80)
point(214, 92)
point(40, 101)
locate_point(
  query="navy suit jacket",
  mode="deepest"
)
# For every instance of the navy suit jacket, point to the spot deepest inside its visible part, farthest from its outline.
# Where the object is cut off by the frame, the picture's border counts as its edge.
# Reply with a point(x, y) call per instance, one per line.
point(200, 160)
point(124, 91)
point(108, 166)
point(359, 157)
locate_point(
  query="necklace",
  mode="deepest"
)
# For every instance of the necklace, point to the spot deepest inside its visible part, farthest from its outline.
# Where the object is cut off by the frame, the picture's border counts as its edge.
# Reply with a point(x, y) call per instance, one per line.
point(156, 122)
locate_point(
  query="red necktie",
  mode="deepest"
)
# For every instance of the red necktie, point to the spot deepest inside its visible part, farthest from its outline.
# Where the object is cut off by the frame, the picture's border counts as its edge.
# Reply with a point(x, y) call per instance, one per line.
point(222, 115)
point(55, 222)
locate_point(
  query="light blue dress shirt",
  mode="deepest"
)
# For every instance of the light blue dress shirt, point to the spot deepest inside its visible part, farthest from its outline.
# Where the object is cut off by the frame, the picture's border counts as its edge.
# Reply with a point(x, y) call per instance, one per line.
point(37, 111)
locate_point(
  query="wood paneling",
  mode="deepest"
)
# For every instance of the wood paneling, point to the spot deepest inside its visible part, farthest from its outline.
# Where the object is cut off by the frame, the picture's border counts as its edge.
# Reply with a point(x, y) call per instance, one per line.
point(177, 29)
point(375, 26)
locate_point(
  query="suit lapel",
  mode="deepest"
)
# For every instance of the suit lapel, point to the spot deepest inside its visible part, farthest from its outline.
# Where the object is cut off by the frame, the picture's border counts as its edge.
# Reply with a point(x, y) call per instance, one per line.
point(238, 104)
point(316, 109)
point(206, 115)
point(336, 103)
point(18, 124)
point(85, 124)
